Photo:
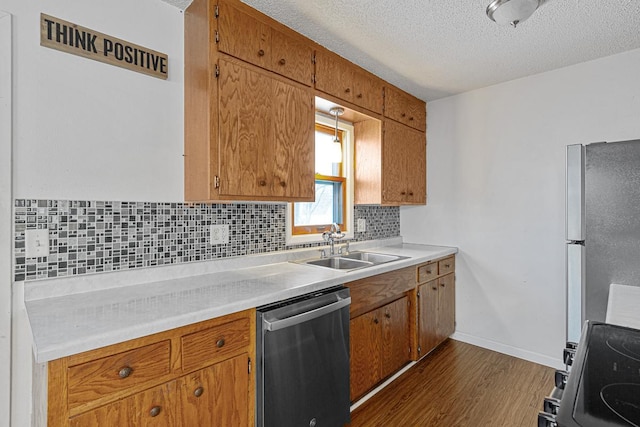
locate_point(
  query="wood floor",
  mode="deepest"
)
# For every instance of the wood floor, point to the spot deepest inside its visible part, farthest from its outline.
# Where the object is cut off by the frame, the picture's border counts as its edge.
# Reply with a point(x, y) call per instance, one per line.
point(460, 385)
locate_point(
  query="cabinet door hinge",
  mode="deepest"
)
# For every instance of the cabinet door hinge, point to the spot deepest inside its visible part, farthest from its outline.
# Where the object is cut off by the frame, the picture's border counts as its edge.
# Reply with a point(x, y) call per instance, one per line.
point(217, 11)
point(419, 349)
point(217, 37)
point(313, 58)
point(217, 71)
point(249, 367)
point(418, 294)
point(216, 182)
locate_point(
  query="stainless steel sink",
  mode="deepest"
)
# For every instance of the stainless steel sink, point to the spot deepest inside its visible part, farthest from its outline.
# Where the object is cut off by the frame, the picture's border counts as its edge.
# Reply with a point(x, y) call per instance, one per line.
point(339, 263)
point(372, 257)
point(353, 260)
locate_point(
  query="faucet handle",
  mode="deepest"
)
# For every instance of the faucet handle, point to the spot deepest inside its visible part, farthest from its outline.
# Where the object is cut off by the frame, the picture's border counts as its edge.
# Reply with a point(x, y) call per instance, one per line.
point(344, 249)
point(323, 253)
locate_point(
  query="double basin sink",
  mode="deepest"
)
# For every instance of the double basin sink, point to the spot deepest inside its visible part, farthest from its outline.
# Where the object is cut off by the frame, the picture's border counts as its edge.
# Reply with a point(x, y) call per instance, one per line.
point(353, 260)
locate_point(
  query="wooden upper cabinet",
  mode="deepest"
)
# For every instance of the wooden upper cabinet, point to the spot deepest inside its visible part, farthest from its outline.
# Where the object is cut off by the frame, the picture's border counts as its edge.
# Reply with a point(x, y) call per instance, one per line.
point(266, 141)
point(243, 36)
point(403, 165)
point(340, 78)
point(405, 108)
point(291, 58)
point(252, 40)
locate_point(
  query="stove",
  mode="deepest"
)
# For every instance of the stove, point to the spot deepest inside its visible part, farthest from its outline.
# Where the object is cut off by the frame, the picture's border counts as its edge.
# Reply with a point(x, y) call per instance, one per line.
point(603, 386)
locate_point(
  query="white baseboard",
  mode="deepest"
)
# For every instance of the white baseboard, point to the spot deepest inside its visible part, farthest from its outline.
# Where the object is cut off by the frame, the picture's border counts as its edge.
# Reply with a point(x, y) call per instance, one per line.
point(530, 356)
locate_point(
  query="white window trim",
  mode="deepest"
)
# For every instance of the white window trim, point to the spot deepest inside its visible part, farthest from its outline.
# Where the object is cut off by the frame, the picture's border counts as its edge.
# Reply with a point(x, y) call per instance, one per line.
point(347, 167)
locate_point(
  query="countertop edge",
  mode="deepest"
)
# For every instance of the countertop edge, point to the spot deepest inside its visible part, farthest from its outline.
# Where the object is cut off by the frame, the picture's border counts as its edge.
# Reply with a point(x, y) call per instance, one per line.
point(47, 349)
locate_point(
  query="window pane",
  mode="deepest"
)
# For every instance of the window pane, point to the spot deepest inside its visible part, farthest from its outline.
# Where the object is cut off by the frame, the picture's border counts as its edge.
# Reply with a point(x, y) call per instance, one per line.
point(325, 210)
point(324, 166)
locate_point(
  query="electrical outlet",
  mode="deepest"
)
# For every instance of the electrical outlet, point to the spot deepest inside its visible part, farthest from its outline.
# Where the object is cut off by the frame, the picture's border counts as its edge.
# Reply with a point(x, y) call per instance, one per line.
point(362, 225)
point(36, 243)
point(219, 234)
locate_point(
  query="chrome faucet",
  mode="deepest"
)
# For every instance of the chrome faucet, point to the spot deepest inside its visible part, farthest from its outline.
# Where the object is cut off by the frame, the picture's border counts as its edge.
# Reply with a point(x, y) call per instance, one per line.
point(331, 236)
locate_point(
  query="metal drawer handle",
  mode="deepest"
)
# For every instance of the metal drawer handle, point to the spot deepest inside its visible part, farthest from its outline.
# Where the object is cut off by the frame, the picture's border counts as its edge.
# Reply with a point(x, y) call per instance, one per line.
point(125, 372)
point(198, 392)
point(155, 411)
point(220, 343)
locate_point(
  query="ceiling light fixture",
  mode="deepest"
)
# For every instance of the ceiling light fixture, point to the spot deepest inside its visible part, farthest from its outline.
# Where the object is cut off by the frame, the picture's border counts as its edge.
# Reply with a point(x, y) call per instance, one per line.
point(336, 146)
point(511, 12)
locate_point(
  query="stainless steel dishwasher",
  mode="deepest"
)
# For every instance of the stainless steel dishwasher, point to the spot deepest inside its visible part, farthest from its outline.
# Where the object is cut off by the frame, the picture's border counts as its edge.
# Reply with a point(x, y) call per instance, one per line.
point(303, 361)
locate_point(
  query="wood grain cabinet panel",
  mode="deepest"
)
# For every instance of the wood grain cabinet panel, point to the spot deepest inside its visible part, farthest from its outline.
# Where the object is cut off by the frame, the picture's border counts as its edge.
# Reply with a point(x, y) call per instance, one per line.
point(216, 396)
point(151, 408)
point(404, 165)
point(211, 345)
point(98, 378)
point(266, 143)
point(435, 304)
point(243, 36)
point(380, 345)
point(292, 58)
point(340, 78)
point(405, 108)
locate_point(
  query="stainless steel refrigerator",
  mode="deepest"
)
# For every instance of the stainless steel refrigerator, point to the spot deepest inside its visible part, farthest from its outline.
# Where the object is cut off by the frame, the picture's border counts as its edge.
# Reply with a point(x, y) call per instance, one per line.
point(603, 227)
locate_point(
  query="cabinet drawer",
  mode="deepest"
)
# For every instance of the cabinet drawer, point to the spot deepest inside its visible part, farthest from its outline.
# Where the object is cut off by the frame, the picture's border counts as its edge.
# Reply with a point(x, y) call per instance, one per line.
point(209, 346)
point(446, 266)
point(427, 272)
point(97, 378)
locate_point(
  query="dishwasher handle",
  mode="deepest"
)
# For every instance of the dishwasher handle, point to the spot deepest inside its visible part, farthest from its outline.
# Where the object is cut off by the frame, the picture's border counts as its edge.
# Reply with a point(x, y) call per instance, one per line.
point(303, 317)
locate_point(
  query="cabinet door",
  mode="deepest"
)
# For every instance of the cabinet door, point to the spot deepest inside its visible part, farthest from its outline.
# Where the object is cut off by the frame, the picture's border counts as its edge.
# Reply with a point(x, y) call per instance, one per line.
point(446, 306)
point(403, 165)
point(334, 75)
point(365, 339)
point(404, 108)
point(293, 146)
point(153, 408)
point(266, 147)
point(243, 36)
point(395, 336)
point(216, 396)
point(427, 317)
point(291, 58)
point(367, 91)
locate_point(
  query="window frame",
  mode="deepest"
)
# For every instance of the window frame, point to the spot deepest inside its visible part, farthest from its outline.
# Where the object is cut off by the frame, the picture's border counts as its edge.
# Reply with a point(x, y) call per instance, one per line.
point(347, 168)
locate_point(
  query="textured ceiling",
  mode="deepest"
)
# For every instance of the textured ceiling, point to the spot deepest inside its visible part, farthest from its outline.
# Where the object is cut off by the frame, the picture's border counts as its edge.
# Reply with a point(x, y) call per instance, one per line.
point(437, 48)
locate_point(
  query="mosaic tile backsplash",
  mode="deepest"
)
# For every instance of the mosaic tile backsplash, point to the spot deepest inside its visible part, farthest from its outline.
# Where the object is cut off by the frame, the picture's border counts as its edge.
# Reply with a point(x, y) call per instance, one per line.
point(95, 236)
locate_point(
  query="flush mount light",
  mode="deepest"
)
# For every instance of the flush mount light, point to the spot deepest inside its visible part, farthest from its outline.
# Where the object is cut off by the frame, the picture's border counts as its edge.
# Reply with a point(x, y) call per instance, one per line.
point(511, 12)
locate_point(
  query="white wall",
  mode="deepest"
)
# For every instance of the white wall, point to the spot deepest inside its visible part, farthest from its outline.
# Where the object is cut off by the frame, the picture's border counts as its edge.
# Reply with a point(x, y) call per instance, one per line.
point(91, 131)
point(6, 240)
point(496, 190)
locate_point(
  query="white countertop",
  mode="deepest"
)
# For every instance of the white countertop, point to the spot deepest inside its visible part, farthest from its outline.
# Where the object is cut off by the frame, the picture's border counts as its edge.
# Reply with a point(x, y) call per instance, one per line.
point(82, 313)
point(623, 307)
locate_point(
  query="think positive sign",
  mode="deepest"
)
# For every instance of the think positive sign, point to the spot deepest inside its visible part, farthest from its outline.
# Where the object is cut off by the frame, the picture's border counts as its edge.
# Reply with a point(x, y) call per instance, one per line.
point(71, 38)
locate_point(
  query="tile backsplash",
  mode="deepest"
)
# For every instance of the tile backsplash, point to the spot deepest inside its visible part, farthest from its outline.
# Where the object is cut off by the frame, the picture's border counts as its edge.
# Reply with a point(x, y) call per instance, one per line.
point(96, 236)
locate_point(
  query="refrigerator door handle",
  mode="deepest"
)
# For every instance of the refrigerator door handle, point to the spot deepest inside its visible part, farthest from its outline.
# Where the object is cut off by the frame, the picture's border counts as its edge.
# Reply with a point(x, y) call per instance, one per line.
point(575, 224)
point(575, 282)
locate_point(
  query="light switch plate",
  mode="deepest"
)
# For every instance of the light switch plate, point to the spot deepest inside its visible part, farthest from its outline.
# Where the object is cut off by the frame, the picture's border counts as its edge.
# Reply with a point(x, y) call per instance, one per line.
point(219, 234)
point(361, 227)
point(36, 243)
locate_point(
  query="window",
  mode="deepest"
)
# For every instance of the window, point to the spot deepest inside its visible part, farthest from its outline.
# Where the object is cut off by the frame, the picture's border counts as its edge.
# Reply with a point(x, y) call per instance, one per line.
point(307, 221)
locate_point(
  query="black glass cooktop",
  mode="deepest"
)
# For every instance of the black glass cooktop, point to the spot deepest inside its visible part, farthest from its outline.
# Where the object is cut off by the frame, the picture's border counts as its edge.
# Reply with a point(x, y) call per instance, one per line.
point(607, 384)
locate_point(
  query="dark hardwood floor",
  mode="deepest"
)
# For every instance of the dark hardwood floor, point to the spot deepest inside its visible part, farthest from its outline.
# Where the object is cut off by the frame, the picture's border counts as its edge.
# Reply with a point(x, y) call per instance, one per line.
point(461, 385)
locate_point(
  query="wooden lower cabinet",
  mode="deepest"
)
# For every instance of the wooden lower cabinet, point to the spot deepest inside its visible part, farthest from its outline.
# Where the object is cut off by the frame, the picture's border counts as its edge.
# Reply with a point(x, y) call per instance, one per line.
point(161, 380)
point(380, 345)
point(436, 307)
point(215, 396)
